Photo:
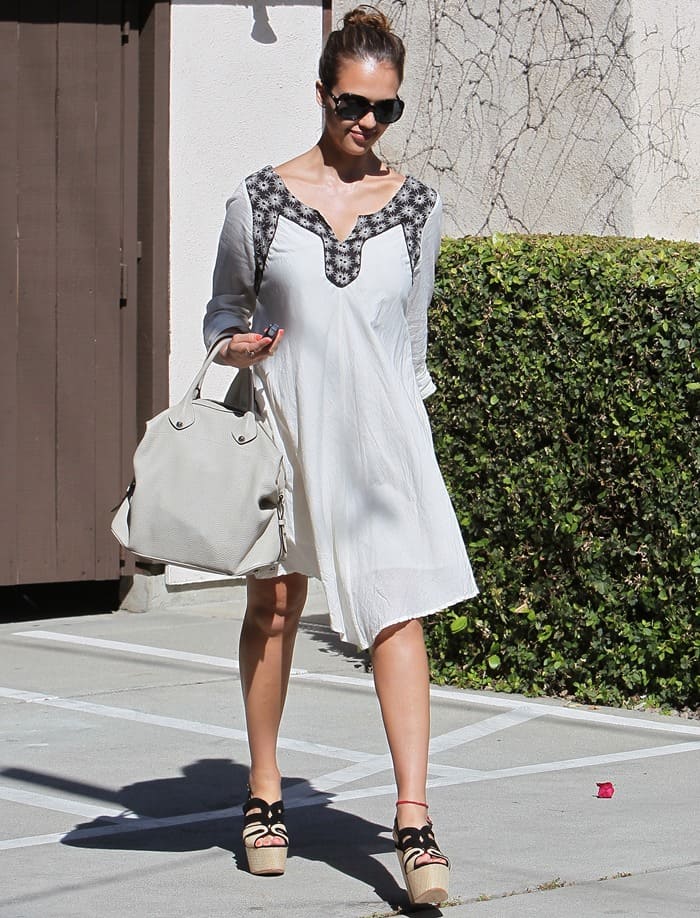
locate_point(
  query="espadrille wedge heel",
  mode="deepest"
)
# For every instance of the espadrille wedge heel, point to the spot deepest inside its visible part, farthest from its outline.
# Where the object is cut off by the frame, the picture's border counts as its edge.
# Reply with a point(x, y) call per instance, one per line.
point(429, 881)
point(267, 822)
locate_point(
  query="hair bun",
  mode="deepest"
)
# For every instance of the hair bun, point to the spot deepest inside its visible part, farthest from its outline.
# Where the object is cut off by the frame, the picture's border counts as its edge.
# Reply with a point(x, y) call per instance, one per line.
point(365, 35)
point(368, 16)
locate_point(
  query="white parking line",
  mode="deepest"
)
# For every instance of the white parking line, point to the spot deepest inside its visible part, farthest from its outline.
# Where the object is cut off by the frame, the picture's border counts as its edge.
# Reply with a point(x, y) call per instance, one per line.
point(459, 737)
point(190, 726)
point(176, 723)
point(630, 755)
point(142, 824)
point(145, 650)
point(471, 777)
point(129, 824)
point(617, 720)
point(544, 708)
point(364, 764)
point(481, 728)
point(58, 804)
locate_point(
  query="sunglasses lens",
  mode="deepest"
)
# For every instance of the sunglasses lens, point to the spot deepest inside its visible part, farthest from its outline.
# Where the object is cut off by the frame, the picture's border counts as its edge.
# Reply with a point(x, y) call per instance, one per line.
point(388, 111)
point(350, 107)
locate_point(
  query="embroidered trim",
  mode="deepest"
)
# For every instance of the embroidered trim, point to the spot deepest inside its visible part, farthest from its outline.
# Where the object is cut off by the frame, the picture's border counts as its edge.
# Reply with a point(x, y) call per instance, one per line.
point(270, 198)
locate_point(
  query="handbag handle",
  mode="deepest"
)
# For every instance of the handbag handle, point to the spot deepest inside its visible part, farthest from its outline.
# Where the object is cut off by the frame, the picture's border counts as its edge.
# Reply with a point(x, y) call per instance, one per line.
point(181, 415)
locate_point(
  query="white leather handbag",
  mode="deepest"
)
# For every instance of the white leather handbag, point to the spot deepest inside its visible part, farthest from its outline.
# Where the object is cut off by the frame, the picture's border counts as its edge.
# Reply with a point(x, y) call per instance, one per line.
point(208, 488)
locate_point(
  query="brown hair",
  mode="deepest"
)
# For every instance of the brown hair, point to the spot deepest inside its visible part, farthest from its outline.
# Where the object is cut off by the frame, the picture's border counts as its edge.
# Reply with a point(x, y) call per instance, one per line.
point(365, 35)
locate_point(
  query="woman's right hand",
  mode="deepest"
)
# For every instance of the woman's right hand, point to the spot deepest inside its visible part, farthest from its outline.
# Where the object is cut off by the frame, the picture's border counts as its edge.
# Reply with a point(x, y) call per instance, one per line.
point(245, 349)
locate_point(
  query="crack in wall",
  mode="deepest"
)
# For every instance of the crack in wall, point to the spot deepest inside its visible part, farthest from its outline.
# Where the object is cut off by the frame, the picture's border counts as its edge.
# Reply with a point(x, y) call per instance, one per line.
point(552, 115)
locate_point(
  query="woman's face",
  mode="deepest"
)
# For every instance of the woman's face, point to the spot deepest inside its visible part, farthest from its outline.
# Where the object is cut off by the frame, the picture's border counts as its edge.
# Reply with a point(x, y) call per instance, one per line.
point(376, 80)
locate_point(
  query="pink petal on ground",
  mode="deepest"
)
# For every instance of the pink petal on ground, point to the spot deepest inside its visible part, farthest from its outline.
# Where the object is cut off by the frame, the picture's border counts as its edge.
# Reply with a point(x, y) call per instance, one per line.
point(605, 788)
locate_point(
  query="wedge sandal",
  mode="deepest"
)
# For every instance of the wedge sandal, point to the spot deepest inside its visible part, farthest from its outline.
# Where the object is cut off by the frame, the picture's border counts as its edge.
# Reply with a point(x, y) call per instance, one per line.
point(268, 822)
point(427, 882)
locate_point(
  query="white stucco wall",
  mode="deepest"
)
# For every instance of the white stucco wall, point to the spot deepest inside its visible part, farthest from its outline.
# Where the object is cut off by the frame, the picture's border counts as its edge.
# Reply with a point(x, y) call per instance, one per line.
point(665, 48)
point(236, 104)
point(561, 116)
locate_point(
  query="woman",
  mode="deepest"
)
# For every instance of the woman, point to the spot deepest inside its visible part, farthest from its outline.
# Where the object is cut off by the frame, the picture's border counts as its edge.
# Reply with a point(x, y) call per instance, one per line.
point(339, 250)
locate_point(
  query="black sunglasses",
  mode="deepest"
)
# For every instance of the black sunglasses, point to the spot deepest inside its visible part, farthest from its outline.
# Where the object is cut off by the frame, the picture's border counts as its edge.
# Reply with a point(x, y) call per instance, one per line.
point(350, 107)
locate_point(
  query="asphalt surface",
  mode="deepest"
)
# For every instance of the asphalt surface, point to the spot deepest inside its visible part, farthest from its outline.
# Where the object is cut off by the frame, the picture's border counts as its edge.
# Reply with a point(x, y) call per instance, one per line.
point(123, 766)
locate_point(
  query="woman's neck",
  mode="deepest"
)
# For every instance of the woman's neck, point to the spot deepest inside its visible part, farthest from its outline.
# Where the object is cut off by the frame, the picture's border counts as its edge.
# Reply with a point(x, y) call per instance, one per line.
point(348, 168)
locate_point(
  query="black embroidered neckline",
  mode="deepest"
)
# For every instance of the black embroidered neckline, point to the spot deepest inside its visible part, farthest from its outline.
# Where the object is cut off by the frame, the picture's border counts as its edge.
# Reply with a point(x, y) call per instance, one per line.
point(313, 213)
point(270, 198)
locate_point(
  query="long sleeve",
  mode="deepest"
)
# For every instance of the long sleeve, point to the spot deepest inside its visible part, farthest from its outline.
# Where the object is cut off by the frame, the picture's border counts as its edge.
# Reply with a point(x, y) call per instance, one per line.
point(233, 294)
point(421, 295)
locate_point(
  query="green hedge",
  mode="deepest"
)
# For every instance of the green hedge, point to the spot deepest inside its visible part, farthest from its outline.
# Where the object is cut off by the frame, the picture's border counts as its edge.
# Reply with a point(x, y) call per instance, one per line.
point(566, 425)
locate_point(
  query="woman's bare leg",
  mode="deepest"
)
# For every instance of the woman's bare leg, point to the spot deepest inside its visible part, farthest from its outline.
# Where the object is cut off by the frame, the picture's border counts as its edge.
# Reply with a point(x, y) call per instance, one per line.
point(402, 680)
point(265, 654)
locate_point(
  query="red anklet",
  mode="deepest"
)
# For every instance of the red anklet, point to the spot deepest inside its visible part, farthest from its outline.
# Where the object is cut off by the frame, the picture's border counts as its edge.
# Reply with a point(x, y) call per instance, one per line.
point(414, 802)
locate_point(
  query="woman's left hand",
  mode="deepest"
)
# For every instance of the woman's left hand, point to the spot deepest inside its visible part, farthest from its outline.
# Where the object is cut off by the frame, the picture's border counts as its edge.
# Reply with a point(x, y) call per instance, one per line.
point(246, 349)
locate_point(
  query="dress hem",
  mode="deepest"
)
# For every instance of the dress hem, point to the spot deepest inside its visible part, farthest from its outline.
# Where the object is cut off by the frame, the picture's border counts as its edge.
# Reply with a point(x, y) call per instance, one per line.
point(408, 617)
point(267, 573)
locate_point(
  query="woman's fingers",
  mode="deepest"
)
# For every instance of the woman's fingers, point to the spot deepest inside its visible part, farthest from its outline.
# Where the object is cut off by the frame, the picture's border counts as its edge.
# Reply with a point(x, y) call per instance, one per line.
point(246, 349)
point(239, 351)
point(276, 343)
point(250, 346)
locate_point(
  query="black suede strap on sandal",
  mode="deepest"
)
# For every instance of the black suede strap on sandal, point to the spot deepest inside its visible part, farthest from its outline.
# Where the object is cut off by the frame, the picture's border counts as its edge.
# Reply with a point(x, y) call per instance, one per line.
point(413, 843)
point(269, 820)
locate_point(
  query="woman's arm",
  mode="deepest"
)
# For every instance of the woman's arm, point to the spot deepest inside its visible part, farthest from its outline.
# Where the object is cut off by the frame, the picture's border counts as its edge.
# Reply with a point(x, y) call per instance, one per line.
point(420, 296)
point(232, 305)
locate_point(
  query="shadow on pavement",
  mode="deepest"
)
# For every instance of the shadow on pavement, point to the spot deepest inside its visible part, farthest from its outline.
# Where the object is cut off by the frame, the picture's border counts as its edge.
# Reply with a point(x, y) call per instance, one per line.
point(343, 841)
point(39, 601)
point(316, 628)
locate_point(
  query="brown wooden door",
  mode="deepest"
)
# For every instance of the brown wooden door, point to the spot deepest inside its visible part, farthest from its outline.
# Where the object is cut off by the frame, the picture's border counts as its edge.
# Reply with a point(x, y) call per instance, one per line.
point(67, 318)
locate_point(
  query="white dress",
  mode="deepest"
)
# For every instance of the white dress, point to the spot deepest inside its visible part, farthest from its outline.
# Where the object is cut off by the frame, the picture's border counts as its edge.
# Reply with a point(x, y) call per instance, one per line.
point(367, 510)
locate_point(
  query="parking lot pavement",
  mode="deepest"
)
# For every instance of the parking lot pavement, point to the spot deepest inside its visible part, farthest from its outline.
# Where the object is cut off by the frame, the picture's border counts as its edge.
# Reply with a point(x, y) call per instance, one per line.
point(123, 767)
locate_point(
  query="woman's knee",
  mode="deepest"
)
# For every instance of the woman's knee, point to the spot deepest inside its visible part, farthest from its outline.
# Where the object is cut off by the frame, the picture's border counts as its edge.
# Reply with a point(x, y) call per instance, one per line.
point(275, 606)
point(407, 631)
